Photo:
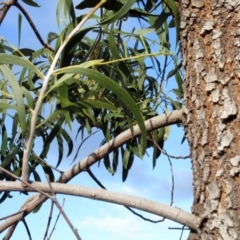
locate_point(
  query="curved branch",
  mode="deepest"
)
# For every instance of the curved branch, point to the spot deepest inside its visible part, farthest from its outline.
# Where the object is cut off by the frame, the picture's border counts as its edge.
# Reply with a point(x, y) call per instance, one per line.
point(29, 143)
point(172, 213)
point(27, 229)
point(163, 120)
point(24, 12)
point(6, 7)
point(151, 124)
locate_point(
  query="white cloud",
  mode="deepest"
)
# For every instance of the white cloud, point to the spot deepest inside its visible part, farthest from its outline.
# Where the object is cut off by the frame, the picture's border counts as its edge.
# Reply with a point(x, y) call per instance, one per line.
point(112, 224)
point(125, 225)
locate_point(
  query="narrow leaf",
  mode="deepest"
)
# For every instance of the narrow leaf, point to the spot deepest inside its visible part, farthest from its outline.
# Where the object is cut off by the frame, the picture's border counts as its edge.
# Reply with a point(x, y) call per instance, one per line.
point(123, 95)
point(18, 96)
point(31, 3)
point(19, 28)
point(11, 59)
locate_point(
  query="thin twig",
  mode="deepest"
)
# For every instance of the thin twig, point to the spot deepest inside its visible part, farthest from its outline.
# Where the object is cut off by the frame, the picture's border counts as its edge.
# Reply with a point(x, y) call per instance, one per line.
point(24, 12)
point(40, 159)
point(24, 182)
point(26, 154)
point(168, 155)
point(139, 215)
point(171, 168)
point(49, 220)
point(54, 199)
point(59, 214)
point(8, 216)
point(172, 190)
point(47, 164)
point(22, 214)
point(179, 228)
point(182, 232)
point(15, 3)
point(27, 229)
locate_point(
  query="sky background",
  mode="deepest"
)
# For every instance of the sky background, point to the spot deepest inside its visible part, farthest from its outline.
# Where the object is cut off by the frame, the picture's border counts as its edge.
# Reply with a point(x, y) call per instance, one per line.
point(98, 220)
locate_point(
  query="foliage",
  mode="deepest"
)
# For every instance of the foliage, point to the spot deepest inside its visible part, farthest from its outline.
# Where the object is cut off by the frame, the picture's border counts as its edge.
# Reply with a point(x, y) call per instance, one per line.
point(109, 77)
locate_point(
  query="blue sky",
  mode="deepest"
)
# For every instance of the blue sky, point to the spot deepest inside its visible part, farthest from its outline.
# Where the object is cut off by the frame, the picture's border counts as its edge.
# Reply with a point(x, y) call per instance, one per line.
point(94, 219)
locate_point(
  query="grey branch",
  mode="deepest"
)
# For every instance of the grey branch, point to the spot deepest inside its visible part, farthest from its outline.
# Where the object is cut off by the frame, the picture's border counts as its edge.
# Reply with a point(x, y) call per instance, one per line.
point(172, 213)
point(163, 120)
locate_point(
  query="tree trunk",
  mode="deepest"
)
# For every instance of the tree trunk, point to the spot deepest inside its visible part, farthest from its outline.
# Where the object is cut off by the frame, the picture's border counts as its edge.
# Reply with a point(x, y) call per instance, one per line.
point(210, 44)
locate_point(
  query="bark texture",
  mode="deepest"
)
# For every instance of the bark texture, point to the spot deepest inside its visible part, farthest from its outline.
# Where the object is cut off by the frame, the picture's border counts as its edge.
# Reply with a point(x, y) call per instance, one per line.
point(210, 42)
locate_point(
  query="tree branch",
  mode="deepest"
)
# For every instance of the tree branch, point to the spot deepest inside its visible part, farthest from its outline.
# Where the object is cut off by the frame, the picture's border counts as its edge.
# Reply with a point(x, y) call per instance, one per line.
point(163, 120)
point(172, 213)
point(54, 199)
point(27, 229)
point(55, 224)
point(24, 12)
point(29, 143)
point(5, 8)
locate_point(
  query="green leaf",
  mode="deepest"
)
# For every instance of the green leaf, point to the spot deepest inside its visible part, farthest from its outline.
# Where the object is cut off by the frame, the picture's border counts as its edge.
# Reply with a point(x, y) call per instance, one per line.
point(172, 5)
point(27, 94)
point(159, 138)
point(128, 158)
point(122, 95)
point(179, 82)
point(98, 104)
point(10, 157)
point(124, 174)
point(51, 136)
point(14, 128)
point(49, 172)
point(36, 176)
point(63, 92)
point(107, 165)
point(91, 63)
point(69, 11)
point(31, 3)
point(4, 141)
point(19, 28)
point(60, 149)
point(167, 132)
point(115, 160)
point(18, 96)
point(11, 59)
point(63, 79)
point(7, 106)
point(52, 118)
point(121, 13)
point(115, 53)
point(68, 140)
point(51, 36)
point(37, 208)
point(3, 197)
point(24, 51)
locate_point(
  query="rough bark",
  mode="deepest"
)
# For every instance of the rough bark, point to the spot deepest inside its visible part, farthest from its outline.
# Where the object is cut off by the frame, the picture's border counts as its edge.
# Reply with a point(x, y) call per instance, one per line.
point(210, 44)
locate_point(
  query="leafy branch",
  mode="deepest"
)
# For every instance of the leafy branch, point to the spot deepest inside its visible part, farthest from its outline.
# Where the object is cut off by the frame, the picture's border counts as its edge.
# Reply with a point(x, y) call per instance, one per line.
point(151, 124)
point(28, 147)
